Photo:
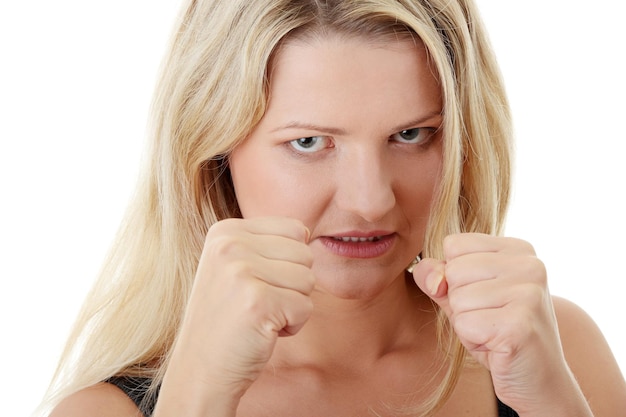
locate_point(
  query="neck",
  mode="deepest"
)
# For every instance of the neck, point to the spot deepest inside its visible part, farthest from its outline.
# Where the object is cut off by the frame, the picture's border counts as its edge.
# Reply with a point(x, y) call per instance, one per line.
point(353, 334)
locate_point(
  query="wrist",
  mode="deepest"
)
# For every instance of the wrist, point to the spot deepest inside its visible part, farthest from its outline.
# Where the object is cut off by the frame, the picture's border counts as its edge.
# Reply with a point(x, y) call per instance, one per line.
point(195, 400)
point(184, 393)
point(564, 399)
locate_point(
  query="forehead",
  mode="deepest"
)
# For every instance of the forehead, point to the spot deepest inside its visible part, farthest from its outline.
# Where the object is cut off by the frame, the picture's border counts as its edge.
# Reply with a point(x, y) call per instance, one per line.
point(333, 49)
point(351, 79)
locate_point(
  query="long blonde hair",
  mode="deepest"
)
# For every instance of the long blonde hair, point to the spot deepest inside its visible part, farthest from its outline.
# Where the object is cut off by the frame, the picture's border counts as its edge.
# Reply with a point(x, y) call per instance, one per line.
point(212, 92)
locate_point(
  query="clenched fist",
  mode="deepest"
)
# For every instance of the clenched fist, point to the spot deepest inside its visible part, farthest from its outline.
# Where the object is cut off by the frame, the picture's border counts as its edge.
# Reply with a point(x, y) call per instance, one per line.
point(252, 285)
point(494, 292)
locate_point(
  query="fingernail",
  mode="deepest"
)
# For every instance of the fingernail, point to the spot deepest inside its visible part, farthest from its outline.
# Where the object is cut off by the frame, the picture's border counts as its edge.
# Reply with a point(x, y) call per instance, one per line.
point(433, 281)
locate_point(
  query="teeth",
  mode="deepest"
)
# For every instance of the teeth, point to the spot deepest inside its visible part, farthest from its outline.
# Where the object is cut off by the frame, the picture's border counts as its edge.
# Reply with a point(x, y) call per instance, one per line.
point(358, 239)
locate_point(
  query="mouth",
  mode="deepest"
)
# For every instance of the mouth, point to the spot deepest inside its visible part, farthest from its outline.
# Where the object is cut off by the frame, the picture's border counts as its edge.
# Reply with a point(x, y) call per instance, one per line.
point(356, 239)
point(371, 245)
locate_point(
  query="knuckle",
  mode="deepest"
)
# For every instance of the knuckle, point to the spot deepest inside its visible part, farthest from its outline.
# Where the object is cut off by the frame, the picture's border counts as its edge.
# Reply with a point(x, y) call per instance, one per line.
point(253, 298)
point(308, 279)
point(301, 230)
point(299, 312)
point(239, 270)
point(457, 244)
point(307, 257)
point(222, 226)
point(535, 270)
point(525, 247)
point(451, 271)
point(450, 244)
point(307, 306)
point(455, 302)
point(464, 325)
point(225, 245)
point(233, 282)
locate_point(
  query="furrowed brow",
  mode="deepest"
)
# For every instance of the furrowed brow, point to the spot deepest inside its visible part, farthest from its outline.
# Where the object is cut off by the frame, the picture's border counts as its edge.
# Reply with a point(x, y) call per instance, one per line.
point(418, 121)
point(339, 131)
point(311, 126)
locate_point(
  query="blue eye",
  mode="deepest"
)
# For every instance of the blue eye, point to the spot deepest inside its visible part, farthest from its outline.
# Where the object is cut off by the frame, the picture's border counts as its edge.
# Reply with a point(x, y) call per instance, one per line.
point(309, 144)
point(416, 135)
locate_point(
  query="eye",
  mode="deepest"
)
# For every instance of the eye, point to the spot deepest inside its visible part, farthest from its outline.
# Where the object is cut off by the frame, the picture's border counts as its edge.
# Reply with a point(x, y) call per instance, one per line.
point(309, 144)
point(416, 135)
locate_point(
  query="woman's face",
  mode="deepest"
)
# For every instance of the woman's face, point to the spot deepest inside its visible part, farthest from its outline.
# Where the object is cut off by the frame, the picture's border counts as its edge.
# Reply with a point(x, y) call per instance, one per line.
point(349, 145)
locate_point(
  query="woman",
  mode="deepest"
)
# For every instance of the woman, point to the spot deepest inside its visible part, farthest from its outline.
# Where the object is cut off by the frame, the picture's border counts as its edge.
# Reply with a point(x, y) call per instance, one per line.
point(303, 154)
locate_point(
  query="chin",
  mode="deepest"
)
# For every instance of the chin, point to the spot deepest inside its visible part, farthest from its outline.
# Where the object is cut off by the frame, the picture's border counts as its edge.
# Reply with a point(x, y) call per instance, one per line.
point(357, 283)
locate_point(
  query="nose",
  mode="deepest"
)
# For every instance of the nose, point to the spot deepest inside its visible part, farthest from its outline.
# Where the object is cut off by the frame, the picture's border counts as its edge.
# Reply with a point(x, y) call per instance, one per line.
point(364, 185)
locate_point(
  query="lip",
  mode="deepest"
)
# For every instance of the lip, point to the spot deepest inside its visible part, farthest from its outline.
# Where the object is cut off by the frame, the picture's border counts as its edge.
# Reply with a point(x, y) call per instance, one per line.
point(362, 245)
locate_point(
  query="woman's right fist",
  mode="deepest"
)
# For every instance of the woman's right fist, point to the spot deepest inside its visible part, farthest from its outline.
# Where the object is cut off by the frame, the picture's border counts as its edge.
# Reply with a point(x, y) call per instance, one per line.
point(252, 285)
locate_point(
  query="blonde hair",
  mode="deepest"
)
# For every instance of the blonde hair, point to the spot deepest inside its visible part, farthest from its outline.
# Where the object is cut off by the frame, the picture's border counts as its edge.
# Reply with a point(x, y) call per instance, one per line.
point(212, 92)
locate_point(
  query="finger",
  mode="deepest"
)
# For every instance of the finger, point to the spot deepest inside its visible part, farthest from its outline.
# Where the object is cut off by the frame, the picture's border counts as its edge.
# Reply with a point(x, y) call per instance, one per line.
point(278, 273)
point(233, 240)
point(282, 248)
point(460, 244)
point(497, 330)
point(478, 330)
point(296, 315)
point(279, 226)
point(482, 295)
point(488, 266)
point(288, 311)
point(473, 267)
point(429, 275)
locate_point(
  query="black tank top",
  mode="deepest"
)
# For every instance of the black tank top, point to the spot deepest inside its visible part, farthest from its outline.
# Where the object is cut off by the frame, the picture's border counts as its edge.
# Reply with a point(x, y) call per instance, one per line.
point(136, 389)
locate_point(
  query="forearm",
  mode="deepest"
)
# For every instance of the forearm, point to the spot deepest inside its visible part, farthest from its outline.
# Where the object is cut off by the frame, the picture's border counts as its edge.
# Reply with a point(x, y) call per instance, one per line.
point(194, 400)
point(188, 390)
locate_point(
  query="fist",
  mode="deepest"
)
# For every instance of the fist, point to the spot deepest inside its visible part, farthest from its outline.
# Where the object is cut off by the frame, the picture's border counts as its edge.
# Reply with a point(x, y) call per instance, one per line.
point(494, 292)
point(252, 285)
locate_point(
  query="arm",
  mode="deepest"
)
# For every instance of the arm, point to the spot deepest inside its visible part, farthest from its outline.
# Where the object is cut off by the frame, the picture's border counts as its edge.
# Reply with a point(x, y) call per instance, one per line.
point(591, 360)
point(252, 286)
point(494, 291)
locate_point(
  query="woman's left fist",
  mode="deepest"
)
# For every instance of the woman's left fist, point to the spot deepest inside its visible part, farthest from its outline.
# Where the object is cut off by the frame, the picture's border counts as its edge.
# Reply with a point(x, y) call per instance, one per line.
point(494, 292)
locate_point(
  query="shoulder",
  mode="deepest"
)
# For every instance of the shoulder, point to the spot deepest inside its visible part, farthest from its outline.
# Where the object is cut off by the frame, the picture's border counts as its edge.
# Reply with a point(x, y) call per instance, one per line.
point(590, 359)
point(100, 400)
point(579, 333)
point(581, 338)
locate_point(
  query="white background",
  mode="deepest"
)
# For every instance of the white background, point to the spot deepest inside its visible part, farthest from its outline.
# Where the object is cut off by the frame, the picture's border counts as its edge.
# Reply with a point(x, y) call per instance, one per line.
point(76, 80)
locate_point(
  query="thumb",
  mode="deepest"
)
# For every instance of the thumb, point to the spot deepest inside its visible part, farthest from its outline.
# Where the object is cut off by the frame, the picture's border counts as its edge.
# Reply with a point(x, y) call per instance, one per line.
point(429, 275)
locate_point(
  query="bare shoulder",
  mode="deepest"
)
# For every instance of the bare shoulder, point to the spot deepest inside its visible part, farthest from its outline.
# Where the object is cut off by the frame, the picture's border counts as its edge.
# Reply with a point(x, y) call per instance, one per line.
point(590, 359)
point(101, 400)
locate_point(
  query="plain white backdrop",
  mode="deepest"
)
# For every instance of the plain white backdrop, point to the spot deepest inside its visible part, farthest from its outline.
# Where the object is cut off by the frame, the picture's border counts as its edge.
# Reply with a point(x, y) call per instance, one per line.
point(76, 80)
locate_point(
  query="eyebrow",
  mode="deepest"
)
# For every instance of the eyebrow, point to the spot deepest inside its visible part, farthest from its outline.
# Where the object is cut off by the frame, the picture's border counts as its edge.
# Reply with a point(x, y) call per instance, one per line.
point(420, 120)
point(311, 126)
point(340, 131)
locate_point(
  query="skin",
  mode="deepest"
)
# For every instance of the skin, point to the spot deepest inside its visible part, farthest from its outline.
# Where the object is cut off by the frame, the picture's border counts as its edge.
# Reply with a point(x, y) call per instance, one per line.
point(360, 175)
point(282, 322)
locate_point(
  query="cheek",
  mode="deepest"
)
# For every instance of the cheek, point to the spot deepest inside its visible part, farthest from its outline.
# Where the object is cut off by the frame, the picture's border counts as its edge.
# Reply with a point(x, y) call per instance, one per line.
point(265, 188)
point(418, 185)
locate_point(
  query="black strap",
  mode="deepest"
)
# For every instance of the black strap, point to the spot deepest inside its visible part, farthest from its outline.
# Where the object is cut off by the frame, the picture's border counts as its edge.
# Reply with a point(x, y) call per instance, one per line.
point(136, 389)
point(505, 411)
